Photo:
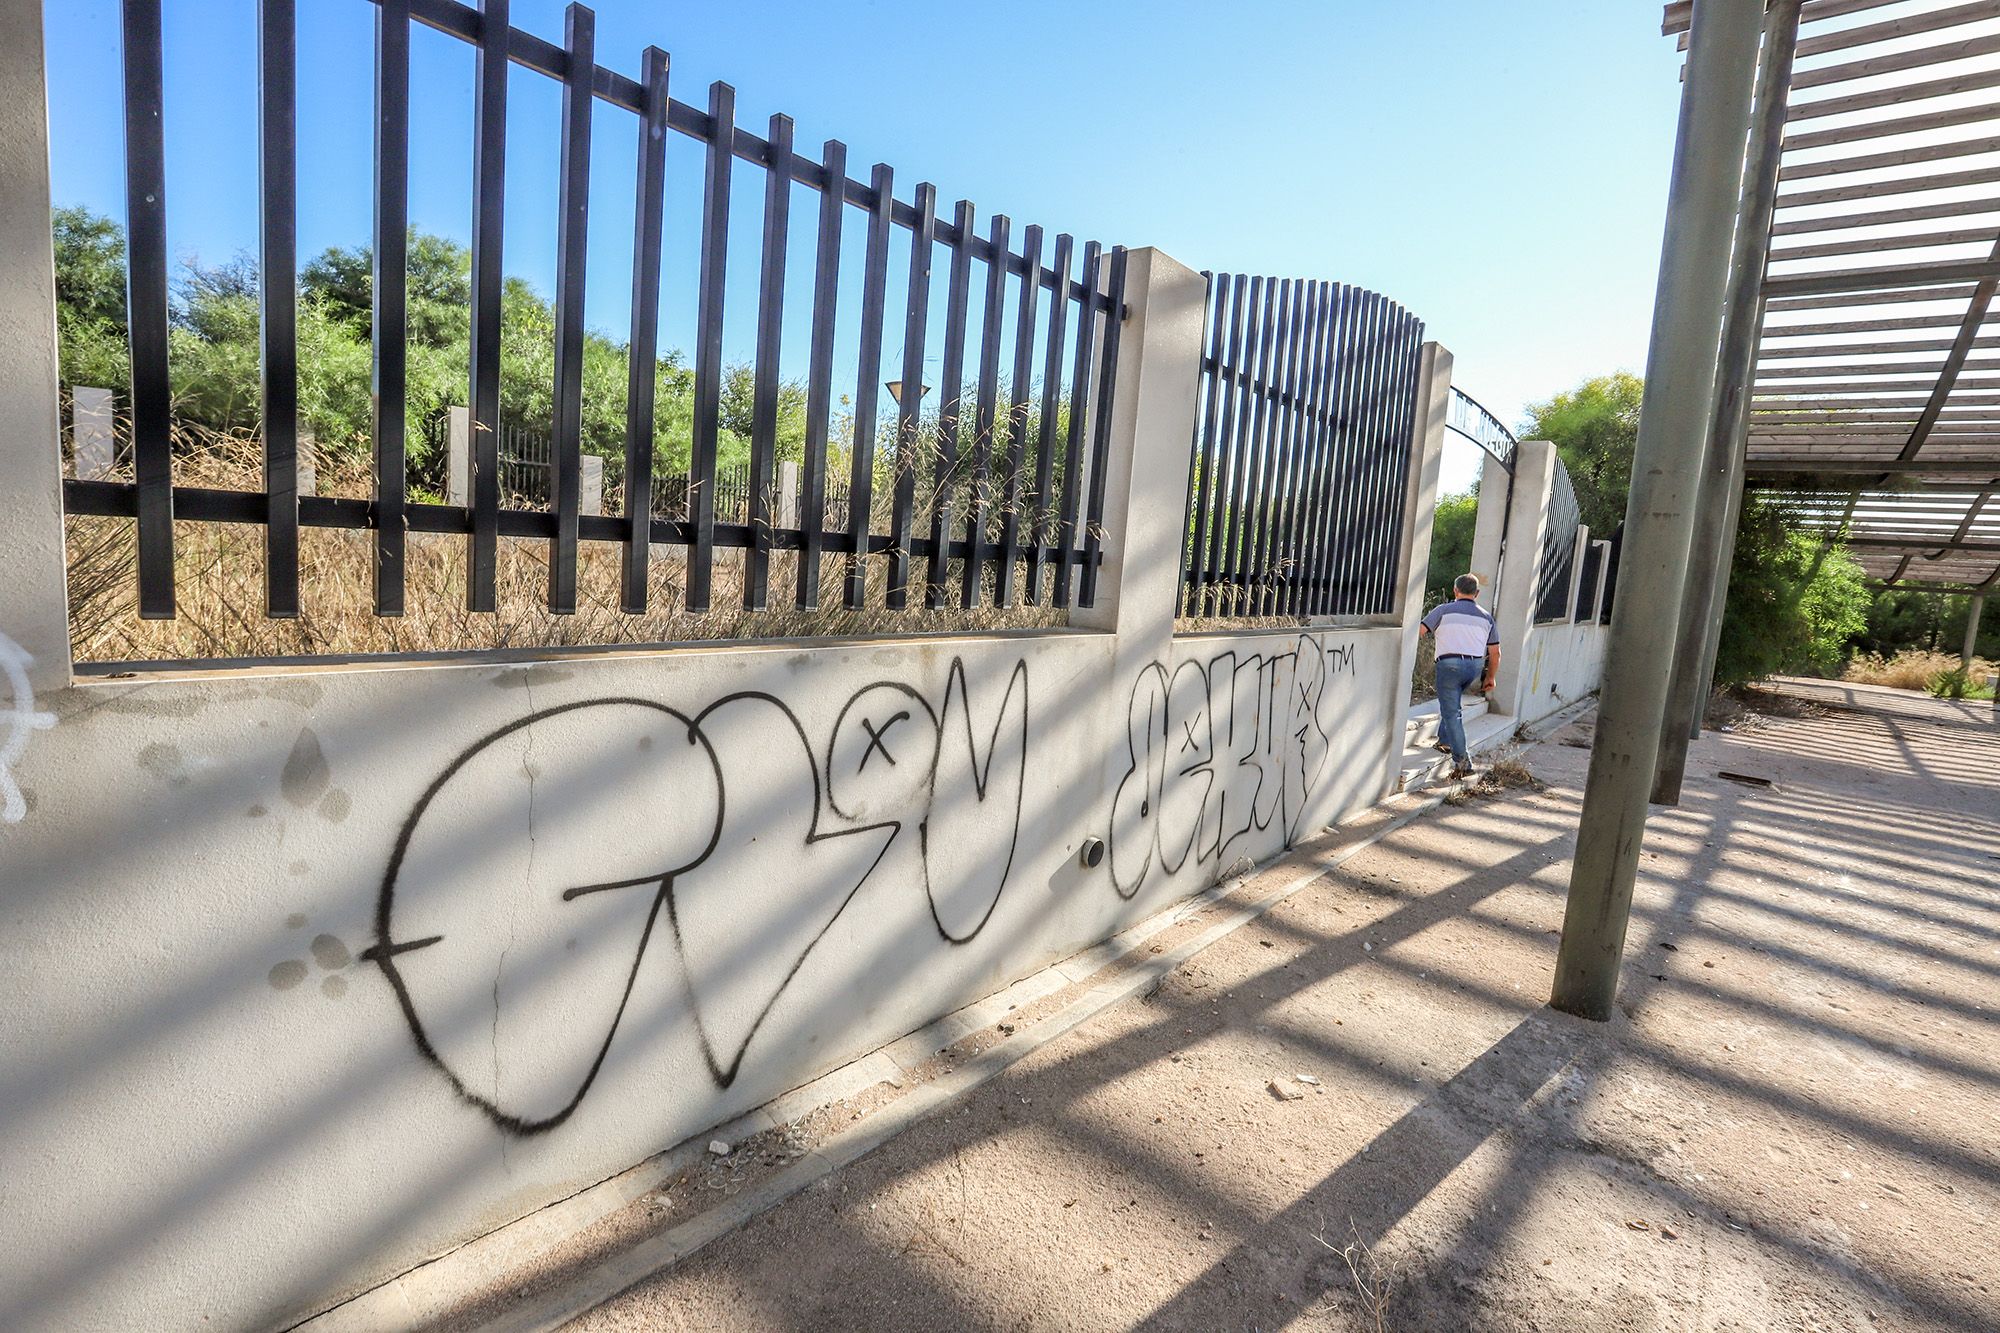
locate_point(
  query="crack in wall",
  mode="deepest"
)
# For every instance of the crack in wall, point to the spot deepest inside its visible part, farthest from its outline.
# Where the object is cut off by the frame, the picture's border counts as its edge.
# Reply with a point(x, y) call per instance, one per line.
point(528, 881)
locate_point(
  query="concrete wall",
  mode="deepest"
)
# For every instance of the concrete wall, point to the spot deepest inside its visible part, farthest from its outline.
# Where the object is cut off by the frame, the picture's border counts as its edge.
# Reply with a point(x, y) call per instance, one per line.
point(1560, 665)
point(1543, 668)
point(311, 974)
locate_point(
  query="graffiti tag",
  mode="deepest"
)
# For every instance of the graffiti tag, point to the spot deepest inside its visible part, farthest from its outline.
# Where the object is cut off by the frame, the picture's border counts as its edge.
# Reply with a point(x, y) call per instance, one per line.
point(723, 830)
point(1219, 749)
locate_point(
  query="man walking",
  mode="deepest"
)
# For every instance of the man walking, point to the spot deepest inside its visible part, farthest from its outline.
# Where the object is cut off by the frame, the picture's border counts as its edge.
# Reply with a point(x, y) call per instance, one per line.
point(1468, 650)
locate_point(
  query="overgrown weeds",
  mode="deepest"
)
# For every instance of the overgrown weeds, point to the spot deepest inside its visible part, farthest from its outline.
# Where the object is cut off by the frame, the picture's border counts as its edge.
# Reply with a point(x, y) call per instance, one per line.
point(1372, 1278)
point(1940, 674)
point(219, 586)
point(1502, 775)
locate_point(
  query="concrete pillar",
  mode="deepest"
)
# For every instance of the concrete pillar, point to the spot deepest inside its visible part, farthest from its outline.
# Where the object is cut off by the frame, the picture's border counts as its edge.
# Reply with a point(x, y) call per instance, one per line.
point(1419, 513)
point(1603, 582)
point(1146, 474)
point(1659, 516)
point(1579, 555)
point(590, 481)
point(1973, 612)
point(34, 616)
point(458, 456)
point(1489, 530)
point(787, 507)
point(93, 435)
point(1520, 572)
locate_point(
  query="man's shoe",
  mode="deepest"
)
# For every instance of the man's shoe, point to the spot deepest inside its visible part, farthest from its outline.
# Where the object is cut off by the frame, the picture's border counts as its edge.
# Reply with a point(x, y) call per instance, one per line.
point(1463, 771)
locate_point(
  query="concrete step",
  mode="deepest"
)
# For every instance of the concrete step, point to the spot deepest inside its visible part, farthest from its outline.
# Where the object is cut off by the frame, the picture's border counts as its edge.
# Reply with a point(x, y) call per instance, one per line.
point(1424, 767)
point(1420, 730)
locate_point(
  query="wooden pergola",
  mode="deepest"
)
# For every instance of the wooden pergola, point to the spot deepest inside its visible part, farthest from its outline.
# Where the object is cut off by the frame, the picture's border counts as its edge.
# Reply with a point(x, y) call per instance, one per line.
point(1875, 380)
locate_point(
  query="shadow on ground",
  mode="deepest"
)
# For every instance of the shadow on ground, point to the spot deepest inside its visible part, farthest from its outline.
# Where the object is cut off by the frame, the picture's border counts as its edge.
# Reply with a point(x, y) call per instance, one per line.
point(1355, 1113)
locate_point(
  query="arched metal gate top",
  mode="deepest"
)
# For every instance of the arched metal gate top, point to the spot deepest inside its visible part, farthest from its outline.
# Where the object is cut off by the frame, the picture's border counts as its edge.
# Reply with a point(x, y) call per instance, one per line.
point(1468, 418)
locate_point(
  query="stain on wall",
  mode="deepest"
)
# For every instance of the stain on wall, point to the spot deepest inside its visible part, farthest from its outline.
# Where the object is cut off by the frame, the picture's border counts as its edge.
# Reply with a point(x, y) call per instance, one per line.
point(19, 722)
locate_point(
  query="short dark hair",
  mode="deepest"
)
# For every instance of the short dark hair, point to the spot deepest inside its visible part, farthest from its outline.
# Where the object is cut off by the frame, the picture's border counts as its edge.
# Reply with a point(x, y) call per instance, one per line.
point(1468, 584)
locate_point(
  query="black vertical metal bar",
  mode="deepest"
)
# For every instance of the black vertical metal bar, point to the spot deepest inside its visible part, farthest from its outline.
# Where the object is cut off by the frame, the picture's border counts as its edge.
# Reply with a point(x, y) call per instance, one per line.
point(951, 401)
point(1305, 465)
point(146, 307)
point(572, 233)
point(770, 342)
point(1402, 439)
point(642, 359)
point(1317, 406)
point(1229, 382)
point(1256, 361)
point(1279, 570)
point(278, 340)
point(1195, 529)
point(1284, 471)
point(1339, 432)
point(1259, 483)
point(819, 372)
point(1100, 448)
point(708, 343)
point(1045, 443)
point(1324, 444)
point(909, 410)
point(1367, 334)
point(389, 342)
point(1018, 409)
point(1384, 514)
point(489, 187)
point(1079, 413)
point(868, 386)
point(985, 415)
point(1354, 548)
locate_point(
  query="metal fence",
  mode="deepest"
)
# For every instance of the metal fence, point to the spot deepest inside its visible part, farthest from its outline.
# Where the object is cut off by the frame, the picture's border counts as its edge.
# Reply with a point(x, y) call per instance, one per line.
point(1558, 557)
point(1006, 542)
point(1594, 557)
point(1301, 451)
point(1468, 418)
point(1615, 544)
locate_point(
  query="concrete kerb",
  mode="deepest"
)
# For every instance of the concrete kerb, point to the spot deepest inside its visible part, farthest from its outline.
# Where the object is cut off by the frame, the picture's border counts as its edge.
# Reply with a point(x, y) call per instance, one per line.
point(432, 1289)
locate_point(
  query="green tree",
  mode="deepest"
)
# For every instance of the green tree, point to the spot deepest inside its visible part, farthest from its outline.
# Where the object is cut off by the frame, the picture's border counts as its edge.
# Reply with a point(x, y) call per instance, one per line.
point(1451, 541)
point(1792, 606)
point(1594, 428)
point(90, 298)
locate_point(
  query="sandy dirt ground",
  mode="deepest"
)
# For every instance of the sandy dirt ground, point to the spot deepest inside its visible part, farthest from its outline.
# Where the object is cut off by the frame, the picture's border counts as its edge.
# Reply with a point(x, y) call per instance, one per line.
point(1355, 1113)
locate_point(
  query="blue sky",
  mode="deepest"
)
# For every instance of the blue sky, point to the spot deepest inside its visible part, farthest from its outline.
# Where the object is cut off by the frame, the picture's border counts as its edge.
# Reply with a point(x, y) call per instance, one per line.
point(1500, 169)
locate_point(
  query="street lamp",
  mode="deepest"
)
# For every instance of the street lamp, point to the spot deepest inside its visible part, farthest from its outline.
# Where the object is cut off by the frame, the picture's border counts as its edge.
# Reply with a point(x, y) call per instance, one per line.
point(895, 388)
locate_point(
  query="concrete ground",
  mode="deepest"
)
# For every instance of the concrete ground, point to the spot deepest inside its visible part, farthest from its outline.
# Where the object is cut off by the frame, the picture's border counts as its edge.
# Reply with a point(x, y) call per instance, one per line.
point(1355, 1112)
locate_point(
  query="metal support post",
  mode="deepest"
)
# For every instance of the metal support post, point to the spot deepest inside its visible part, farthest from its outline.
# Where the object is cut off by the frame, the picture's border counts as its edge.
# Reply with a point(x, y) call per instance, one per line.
point(1721, 503)
point(1659, 517)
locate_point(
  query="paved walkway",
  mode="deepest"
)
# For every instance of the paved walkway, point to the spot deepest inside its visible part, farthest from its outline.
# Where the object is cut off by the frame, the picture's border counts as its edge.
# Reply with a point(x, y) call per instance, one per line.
point(1356, 1113)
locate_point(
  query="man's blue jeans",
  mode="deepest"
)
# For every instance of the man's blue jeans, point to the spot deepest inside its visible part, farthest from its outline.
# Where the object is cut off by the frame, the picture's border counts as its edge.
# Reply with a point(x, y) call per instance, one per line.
point(1454, 674)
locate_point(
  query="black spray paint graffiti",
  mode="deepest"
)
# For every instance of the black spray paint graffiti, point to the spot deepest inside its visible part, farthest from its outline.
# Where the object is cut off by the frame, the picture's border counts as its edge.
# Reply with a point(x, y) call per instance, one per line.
point(1219, 749)
point(717, 822)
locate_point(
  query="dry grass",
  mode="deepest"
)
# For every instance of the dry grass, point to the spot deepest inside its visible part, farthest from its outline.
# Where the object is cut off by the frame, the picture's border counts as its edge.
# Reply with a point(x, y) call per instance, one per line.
point(1911, 670)
point(219, 585)
point(1503, 775)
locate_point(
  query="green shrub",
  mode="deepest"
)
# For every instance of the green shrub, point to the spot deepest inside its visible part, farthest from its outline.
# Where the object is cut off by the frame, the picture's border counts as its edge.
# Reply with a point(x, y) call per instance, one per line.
point(1794, 604)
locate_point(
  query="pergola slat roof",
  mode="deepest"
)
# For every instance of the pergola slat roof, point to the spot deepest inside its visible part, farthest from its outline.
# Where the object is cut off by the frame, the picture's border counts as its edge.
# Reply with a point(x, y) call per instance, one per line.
point(1876, 386)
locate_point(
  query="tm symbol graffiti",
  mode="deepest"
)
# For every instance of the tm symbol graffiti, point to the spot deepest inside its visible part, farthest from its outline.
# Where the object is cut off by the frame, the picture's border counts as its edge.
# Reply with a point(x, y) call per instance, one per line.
point(20, 722)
